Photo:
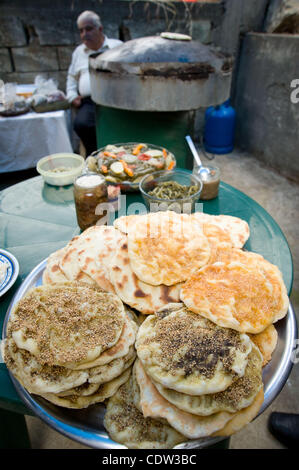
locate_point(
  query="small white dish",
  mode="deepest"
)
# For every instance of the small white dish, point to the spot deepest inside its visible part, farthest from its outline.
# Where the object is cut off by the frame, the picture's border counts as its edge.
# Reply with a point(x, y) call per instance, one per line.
point(12, 270)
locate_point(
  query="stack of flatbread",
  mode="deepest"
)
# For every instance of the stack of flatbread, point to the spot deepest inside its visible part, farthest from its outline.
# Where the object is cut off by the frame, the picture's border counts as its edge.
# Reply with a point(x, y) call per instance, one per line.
point(199, 378)
point(199, 366)
point(70, 343)
point(207, 310)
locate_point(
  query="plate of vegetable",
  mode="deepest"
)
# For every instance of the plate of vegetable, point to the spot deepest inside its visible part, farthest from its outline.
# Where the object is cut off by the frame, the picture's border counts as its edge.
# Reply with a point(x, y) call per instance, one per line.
point(125, 164)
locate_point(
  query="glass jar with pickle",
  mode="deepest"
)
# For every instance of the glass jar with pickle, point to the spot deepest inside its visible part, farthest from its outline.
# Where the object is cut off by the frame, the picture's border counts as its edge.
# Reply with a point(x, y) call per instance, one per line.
point(90, 190)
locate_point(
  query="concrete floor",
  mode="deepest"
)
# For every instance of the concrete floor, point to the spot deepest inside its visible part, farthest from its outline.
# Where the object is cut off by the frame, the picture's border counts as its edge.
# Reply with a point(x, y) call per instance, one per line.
point(280, 198)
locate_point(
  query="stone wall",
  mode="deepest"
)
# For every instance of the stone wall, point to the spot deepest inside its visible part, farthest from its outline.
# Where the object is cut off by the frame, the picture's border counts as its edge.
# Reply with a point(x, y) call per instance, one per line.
point(38, 36)
point(267, 116)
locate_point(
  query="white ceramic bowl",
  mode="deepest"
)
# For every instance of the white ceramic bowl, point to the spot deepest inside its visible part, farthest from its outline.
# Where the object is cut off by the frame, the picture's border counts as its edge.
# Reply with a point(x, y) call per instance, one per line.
point(72, 163)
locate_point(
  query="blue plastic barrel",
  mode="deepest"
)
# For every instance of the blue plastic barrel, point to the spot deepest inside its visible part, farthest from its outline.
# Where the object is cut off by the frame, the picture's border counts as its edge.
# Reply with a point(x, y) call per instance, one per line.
point(219, 130)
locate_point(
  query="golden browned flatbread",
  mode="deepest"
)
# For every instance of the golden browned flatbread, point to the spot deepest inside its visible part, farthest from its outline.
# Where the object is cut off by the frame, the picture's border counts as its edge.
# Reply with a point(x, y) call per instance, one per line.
point(53, 273)
point(166, 248)
point(236, 228)
point(245, 297)
point(266, 341)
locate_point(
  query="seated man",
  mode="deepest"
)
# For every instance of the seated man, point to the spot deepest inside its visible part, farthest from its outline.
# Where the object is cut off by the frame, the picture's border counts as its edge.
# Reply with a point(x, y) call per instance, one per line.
point(78, 83)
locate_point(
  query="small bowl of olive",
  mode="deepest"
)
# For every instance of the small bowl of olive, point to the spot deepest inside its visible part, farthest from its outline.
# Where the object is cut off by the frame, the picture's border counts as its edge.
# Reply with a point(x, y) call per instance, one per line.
point(176, 190)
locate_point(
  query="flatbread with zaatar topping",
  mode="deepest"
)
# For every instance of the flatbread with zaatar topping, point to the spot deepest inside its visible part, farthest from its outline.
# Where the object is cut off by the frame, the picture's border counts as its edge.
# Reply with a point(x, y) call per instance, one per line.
point(119, 350)
point(242, 417)
point(66, 323)
point(185, 352)
point(38, 378)
point(166, 248)
point(104, 391)
point(155, 406)
point(247, 297)
point(127, 425)
point(139, 295)
point(237, 396)
point(102, 374)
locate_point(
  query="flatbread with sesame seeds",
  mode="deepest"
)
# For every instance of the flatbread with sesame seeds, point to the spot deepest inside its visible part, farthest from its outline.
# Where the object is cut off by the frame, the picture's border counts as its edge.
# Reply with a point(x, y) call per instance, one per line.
point(166, 248)
point(102, 374)
point(66, 323)
point(242, 417)
point(38, 378)
point(104, 391)
point(188, 353)
point(240, 394)
point(120, 349)
point(273, 277)
point(139, 295)
point(127, 425)
point(245, 292)
point(153, 405)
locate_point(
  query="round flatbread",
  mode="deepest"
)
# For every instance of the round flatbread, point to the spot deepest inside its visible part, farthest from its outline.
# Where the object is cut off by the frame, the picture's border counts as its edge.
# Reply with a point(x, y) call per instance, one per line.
point(37, 378)
point(266, 341)
point(69, 265)
point(66, 323)
point(53, 274)
point(167, 248)
point(155, 406)
point(240, 394)
point(96, 251)
point(104, 391)
point(126, 222)
point(127, 425)
point(185, 352)
point(236, 295)
point(271, 273)
point(139, 295)
point(88, 255)
point(242, 417)
point(237, 229)
point(119, 350)
point(83, 390)
point(102, 374)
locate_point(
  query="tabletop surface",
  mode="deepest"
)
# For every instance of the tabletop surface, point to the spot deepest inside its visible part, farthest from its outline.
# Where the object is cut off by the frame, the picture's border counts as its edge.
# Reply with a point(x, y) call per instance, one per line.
point(37, 219)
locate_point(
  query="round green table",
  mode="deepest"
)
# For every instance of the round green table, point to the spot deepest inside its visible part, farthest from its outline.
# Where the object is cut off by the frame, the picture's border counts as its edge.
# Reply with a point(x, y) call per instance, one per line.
point(37, 219)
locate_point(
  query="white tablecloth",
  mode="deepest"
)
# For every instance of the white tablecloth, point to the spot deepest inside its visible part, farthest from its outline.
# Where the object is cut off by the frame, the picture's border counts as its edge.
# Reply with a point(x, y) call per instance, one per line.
point(26, 138)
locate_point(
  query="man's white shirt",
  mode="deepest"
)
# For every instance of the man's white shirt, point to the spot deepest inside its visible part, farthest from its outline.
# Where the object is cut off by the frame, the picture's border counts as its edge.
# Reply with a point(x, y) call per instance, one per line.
point(78, 81)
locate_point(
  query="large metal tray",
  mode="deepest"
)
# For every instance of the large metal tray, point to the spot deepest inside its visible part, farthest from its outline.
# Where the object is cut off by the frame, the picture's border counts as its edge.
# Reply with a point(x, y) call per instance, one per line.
point(86, 425)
